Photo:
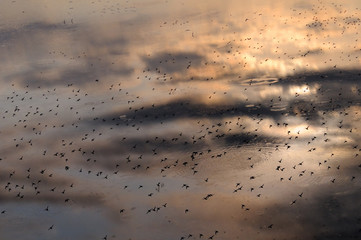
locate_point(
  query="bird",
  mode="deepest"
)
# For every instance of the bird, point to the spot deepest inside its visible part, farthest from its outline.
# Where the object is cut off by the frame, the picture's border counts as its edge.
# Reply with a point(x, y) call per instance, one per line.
point(208, 196)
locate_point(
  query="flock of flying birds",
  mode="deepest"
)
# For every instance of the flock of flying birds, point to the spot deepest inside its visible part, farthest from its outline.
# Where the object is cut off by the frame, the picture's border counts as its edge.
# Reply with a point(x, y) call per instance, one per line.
point(61, 144)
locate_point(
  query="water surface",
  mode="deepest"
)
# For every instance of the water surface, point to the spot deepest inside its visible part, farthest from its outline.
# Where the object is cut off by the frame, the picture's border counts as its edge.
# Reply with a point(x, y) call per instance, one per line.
point(180, 119)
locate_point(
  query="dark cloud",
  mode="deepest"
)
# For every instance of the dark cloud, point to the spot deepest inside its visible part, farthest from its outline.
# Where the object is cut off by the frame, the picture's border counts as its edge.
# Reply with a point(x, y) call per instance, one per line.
point(312, 52)
point(185, 108)
point(324, 211)
point(169, 63)
point(352, 20)
point(303, 5)
point(33, 186)
point(315, 25)
point(330, 95)
point(118, 146)
point(322, 77)
point(243, 139)
point(328, 216)
point(29, 30)
point(75, 76)
point(44, 26)
point(101, 57)
point(28, 178)
point(79, 199)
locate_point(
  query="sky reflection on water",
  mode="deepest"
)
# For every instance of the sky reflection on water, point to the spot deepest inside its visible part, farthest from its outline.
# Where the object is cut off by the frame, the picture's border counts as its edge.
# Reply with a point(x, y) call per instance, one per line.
point(180, 120)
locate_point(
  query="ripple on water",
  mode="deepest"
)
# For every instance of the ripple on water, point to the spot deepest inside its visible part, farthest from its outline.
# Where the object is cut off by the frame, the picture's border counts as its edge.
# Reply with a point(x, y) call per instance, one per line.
point(259, 81)
point(279, 106)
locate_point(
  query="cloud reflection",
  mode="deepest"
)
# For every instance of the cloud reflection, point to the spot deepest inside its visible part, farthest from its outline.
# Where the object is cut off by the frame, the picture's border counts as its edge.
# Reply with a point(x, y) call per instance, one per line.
point(180, 120)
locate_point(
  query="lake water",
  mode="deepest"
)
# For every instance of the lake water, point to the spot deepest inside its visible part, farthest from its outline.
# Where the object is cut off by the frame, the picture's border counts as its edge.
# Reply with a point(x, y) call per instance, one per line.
point(183, 119)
